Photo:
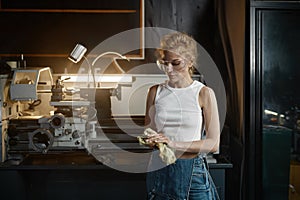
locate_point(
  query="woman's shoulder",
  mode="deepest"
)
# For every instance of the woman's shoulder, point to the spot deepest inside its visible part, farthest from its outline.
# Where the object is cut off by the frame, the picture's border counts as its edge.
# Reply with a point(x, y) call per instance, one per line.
point(206, 91)
point(154, 88)
point(205, 94)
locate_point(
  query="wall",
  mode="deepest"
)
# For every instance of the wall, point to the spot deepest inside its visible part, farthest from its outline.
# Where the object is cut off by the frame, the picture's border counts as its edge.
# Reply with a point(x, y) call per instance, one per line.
point(236, 19)
point(233, 24)
point(47, 31)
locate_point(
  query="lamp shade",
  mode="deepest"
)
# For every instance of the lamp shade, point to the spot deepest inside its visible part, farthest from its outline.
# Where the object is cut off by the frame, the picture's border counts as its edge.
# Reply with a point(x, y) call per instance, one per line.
point(77, 53)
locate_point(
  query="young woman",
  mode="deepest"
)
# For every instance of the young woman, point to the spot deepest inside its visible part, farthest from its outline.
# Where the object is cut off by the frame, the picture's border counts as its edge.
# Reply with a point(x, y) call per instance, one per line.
point(178, 110)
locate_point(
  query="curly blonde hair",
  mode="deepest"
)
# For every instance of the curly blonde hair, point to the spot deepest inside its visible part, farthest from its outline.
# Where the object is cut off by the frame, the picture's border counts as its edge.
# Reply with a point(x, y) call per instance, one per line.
point(181, 44)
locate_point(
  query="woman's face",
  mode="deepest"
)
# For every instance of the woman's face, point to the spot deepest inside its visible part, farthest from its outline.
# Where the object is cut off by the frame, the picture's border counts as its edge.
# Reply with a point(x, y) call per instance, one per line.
point(175, 66)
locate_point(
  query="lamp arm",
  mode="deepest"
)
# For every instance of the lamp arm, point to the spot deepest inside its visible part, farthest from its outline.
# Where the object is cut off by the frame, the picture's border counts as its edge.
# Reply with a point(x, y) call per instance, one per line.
point(91, 70)
point(118, 66)
point(106, 53)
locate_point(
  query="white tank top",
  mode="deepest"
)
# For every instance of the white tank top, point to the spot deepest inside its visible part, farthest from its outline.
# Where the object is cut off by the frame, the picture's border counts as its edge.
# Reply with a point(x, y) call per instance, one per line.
point(178, 113)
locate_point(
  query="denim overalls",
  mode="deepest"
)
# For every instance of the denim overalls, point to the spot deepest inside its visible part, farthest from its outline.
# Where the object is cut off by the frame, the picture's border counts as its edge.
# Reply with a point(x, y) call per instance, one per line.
point(186, 179)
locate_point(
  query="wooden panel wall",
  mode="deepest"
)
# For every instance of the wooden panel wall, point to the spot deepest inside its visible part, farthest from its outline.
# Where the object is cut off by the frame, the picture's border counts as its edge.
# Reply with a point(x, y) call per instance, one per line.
point(46, 31)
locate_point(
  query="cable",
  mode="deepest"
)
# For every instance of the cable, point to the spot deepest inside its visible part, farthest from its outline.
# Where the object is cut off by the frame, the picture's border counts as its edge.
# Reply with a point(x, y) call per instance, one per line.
point(34, 104)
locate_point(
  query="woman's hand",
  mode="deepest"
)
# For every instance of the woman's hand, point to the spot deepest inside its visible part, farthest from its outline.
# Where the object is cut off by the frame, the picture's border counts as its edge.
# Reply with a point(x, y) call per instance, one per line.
point(160, 138)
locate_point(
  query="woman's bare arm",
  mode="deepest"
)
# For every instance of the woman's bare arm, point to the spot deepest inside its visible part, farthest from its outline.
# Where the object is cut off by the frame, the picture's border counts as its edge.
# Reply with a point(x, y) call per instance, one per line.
point(150, 107)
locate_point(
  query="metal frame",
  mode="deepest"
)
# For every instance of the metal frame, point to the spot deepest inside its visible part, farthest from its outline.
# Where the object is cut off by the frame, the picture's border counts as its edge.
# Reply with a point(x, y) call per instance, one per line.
point(253, 99)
